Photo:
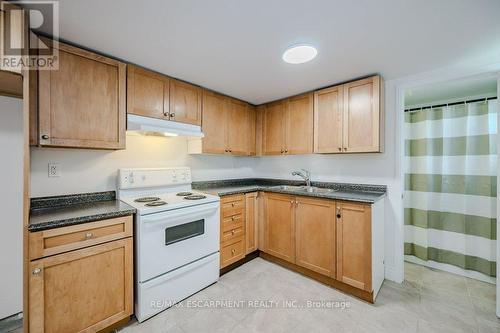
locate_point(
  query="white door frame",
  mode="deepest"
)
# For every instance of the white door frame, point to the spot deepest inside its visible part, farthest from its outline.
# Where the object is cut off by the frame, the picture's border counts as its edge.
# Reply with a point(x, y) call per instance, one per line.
point(395, 91)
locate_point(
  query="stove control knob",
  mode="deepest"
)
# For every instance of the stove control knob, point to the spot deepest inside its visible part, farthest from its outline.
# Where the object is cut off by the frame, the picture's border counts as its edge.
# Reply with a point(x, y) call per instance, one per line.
point(131, 178)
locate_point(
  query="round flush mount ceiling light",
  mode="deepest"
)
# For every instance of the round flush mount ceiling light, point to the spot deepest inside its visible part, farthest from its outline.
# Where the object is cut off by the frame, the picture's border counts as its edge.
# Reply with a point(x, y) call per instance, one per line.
point(299, 54)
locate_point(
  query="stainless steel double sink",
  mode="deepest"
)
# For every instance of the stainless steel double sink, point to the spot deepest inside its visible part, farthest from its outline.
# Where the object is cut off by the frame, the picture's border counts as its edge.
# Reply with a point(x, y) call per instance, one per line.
point(299, 189)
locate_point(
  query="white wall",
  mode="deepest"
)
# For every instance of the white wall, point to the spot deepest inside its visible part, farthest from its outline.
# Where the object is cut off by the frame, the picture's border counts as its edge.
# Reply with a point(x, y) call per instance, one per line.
point(11, 205)
point(85, 170)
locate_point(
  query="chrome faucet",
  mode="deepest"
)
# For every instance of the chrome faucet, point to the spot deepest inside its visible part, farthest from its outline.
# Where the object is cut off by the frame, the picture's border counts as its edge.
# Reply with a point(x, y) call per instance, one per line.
point(304, 174)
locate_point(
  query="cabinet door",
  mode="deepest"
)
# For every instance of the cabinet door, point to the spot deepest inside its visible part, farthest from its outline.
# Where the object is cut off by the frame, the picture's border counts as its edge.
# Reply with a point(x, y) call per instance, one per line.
point(214, 124)
point(87, 289)
point(362, 116)
point(13, 35)
point(315, 235)
point(185, 102)
point(147, 93)
point(354, 253)
point(252, 223)
point(279, 234)
point(274, 128)
point(237, 127)
point(299, 125)
point(252, 120)
point(82, 104)
point(328, 107)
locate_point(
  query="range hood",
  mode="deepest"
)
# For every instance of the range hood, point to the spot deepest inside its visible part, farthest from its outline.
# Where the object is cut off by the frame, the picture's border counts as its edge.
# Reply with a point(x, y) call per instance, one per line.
point(160, 127)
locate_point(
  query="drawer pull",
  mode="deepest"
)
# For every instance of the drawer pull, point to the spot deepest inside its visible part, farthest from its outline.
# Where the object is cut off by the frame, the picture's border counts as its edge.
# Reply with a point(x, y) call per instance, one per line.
point(89, 235)
point(36, 271)
point(232, 232)
point(233, 251)
point(233, 204)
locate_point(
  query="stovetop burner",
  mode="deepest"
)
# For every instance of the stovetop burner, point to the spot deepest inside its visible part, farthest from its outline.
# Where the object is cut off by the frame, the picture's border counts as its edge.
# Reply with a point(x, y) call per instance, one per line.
point(195, 197)
point(147, 199)
point(184, 194)
point(155, 203)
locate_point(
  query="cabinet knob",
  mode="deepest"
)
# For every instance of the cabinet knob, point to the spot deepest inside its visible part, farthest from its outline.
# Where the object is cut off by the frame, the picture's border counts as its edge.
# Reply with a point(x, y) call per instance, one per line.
point(340, 148)
point(232, 204)
point(286, 150)
point(37, 271)
point(282, 151)
point(233, 251)
point(172, 115)
point(88, 235)
point(339, 216)
point(232, 232)
point(45, 137)
point(232, 218)
point(345, 148)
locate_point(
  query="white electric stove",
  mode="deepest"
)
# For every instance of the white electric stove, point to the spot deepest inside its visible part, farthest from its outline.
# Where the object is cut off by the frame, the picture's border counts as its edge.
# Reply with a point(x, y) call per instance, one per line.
point(176, 236)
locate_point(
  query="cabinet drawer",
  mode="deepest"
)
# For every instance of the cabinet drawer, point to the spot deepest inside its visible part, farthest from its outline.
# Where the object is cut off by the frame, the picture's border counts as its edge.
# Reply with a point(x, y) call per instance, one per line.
point(230, 234)
point(232, 205)
point(232, 222)
point(232, 251)
point(54, 241)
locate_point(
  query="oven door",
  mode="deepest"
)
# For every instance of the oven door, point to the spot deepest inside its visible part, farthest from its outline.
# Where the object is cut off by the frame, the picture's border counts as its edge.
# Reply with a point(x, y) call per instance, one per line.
point(172, 239)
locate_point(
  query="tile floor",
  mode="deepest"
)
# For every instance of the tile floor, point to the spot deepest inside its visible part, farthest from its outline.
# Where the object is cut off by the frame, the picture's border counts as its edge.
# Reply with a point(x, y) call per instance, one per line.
point(428, 301)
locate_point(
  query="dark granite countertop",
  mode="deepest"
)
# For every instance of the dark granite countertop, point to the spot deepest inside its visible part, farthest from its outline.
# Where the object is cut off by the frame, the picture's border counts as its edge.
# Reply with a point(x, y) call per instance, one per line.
point(61, 211)
point(343, 191)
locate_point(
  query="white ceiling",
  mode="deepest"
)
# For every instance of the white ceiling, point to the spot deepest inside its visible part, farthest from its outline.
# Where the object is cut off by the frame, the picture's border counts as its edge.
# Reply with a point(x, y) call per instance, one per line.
point(235, 46)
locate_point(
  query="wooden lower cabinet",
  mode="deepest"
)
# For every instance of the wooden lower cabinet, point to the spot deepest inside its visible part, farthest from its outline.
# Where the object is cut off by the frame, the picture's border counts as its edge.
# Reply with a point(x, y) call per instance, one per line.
point(252, 224)
point(315, 235)
point(279, 226)
point(354, 245)
point(82, 291)
point(232, 229)
point(232, 251)
point(342, 241)
point(81, 276)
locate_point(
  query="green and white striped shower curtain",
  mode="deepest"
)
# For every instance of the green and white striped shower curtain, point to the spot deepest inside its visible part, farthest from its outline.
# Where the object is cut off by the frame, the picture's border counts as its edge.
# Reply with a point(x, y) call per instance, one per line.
point(450, 185)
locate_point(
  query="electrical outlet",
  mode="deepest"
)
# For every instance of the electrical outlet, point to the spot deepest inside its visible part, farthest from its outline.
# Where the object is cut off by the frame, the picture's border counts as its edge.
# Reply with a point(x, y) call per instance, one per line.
point(54, 170)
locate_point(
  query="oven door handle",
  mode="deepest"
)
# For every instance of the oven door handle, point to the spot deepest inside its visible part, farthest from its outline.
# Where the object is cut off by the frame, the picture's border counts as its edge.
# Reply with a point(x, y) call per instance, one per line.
point(179, 213)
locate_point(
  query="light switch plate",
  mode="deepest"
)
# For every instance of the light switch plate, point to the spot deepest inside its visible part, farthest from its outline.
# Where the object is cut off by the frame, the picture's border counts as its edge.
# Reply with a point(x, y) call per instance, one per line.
point(54, 170)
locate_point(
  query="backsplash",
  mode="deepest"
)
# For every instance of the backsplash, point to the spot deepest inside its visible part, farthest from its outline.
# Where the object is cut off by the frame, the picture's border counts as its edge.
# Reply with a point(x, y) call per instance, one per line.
point(85, 170)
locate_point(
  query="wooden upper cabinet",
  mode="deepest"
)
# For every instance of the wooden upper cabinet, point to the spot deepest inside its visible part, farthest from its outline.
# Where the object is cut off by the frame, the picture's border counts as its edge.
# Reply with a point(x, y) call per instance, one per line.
point(354, 246)
point(288, 126)
point(362, 119)
point(349, 118)
point(237, 127)
point(226, 125)
point(13, 35)
point(82, 104)
point(147, 93)
point(274, 128)
point(299, 125)
point(185, 102)
point(328, 112)
point(214, 123)
point(252, 130)
point(279, 226)
point(315, 235)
